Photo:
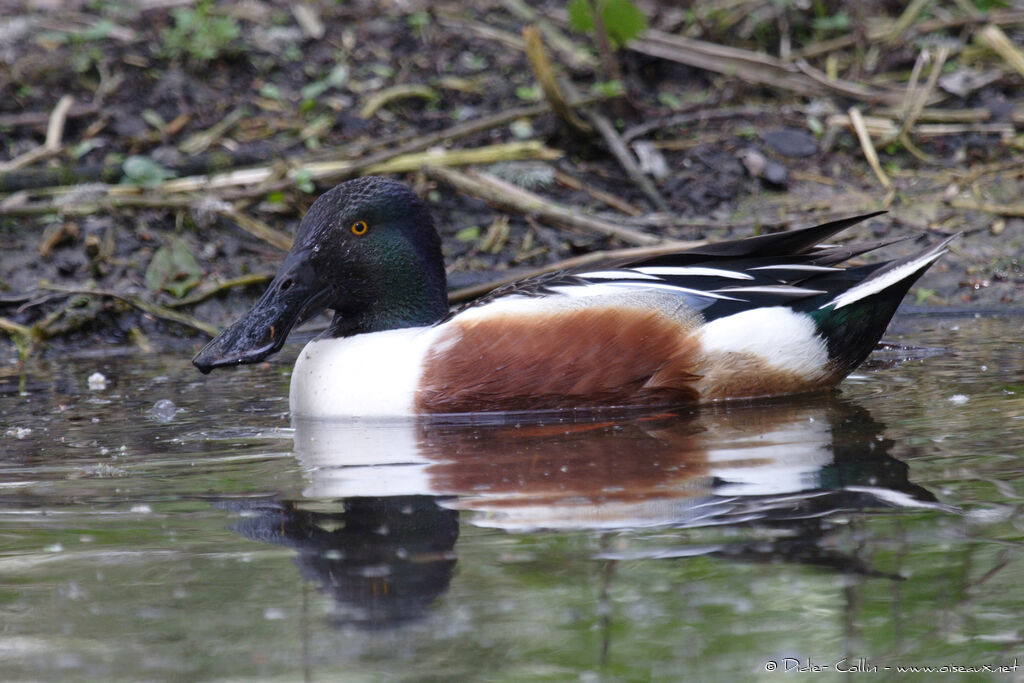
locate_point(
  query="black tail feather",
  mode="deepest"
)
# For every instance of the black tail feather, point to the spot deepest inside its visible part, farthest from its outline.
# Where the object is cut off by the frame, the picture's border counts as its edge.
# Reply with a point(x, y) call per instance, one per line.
point(851, 330)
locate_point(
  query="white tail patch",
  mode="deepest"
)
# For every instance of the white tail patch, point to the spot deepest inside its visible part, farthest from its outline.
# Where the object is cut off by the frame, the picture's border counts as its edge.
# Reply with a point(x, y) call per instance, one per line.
point(874, 285)
point(785, 339)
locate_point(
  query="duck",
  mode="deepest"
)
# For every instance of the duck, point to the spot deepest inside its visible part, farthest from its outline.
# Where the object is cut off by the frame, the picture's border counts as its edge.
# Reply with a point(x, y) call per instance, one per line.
point(763, 316)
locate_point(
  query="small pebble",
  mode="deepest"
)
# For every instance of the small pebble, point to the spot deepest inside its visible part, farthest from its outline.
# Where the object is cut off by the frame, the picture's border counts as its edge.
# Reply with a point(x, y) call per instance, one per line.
point(97, 381)
point(958, 399)
point(791, 142)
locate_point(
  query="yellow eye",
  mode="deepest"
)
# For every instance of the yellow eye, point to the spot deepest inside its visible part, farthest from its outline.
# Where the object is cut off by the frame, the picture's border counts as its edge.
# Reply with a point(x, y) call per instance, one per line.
point(360, 228)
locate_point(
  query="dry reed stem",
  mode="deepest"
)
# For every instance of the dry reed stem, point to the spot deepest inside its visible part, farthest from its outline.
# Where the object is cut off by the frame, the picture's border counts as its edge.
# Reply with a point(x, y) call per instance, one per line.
point(512, 197)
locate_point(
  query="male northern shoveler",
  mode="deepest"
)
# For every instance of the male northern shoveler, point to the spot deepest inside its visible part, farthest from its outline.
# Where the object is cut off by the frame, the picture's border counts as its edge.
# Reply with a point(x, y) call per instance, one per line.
point(762, 316)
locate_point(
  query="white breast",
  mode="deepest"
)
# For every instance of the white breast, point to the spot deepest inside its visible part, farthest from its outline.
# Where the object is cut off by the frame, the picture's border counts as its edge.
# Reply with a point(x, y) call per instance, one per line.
point(368, 375)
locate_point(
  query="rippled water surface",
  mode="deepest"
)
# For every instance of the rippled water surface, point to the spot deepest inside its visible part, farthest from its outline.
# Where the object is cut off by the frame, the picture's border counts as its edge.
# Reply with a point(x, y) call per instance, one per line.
point(210, 539)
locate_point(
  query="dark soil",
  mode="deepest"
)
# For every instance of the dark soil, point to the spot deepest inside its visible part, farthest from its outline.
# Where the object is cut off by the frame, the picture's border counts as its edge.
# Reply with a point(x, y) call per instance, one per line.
point(745, 158)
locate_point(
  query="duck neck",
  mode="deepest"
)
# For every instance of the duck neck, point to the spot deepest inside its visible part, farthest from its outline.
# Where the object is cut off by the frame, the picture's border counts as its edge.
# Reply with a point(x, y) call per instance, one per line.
point(393, 303)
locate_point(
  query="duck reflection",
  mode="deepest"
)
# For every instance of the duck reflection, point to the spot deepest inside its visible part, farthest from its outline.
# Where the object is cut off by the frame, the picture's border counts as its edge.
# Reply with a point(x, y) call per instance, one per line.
point(382, 559)
point(381, 534)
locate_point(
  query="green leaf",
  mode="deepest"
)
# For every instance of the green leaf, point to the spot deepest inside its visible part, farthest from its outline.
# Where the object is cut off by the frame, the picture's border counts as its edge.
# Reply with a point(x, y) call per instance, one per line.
point(580, 18)
point(174, 269)
point(468, 234)
point(530, 93)
point(84, 147)
point(200, 34)
point(304, 181)
point(622, 19)
point(154, 119)
point(840, 21)
point(670, 100)
point(99, 31)
point(140, 170)
point(271, 91)
point(335, 79)
point(608, 88)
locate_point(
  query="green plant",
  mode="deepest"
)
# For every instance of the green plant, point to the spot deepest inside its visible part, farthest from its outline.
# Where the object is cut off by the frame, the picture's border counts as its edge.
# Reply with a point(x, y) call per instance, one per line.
point(622, 19)
point(173, 269)
point(199, 35)
point(140, 170)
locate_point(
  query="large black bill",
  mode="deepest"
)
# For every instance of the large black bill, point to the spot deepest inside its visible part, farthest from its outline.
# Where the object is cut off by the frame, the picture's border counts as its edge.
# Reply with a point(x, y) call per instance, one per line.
point(293, 296)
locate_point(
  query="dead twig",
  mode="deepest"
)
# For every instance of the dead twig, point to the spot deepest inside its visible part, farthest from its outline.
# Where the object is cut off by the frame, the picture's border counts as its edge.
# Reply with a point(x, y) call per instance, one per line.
point(611, 200)
point(857, 121)
point(798, 76)
point(913, 8)
point(699, 113)
point(548, 84)
point(988, 207)
point(625, 158)
point(38, 118)
point(382, 98)
point(201, 141)
point(622, 154)
point(514, 198)
point(993, 37)
point(921, 97)
point(577, 58)
point(223, 285)
point(258, 228)
point(67, 205)
point(149, 307)
point(54, 135)
point(342, 168)
point(879, 33)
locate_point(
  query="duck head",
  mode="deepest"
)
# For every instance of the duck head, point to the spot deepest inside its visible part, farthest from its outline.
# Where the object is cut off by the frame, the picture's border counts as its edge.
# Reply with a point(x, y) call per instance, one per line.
point(366, 249)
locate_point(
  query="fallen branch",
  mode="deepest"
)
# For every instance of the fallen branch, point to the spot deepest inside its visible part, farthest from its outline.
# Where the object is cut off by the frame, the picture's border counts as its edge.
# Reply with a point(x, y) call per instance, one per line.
point(66, 204)
point(382, 98)
point(622, 154)
point(223, 285)
point(548, 83)
point(798, 77)
point(54, 135)
point(153, 309)
point(511, 197)
point(625, 158)
point(993, 37)
point(879, 33)
point(258, 228)
point(919, 98)
point(576, 58)
point(355, 153)
point(38, 118)
point(343, 168)
point(988, 207)
point(201, 141)
point(611, 200)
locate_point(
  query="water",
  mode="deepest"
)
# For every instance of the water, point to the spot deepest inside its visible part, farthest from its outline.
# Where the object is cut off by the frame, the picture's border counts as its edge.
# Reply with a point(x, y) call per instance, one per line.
point(164, 525)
